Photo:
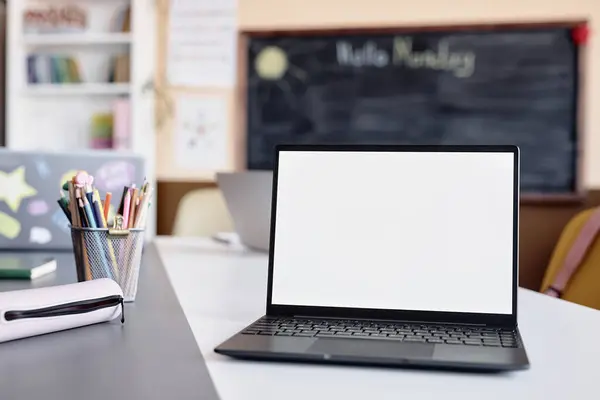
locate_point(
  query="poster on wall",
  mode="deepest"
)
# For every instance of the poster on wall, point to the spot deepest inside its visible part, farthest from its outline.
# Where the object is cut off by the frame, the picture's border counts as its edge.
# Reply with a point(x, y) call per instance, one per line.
point(201, 48)
point(200, 133)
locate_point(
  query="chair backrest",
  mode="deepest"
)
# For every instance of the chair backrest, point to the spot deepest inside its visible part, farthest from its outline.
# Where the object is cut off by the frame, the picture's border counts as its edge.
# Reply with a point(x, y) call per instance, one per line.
point(574, 270)
point(202, 212)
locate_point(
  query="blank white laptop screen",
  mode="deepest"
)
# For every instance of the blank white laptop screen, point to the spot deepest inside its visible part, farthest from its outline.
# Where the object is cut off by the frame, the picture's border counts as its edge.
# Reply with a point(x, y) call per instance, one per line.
point(395, 230)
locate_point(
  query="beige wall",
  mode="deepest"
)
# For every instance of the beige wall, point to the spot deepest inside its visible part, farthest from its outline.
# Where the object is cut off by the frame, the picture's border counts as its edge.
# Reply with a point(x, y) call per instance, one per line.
point(288, 14)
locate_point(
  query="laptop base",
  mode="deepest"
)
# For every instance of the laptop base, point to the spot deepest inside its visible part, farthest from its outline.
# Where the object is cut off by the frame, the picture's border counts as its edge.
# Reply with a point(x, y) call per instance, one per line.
point(374, 352)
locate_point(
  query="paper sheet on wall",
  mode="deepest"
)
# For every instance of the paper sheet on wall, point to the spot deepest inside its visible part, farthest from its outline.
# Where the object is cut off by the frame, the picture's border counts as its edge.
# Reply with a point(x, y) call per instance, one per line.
point(202, 43)
point(200, 133)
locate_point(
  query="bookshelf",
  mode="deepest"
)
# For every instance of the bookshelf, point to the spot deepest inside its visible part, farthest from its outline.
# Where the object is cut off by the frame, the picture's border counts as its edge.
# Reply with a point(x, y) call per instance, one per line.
point(79, 89)
point(74, 39)
point(60, 80)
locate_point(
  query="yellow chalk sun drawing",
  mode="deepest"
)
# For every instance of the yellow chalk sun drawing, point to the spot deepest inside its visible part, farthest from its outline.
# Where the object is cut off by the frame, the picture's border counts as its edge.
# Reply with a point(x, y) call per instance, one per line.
point(271, 63)
point(13, 188)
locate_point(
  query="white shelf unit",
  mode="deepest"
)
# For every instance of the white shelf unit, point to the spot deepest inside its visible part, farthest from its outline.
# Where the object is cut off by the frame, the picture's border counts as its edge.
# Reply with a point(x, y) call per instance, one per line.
point(75, 39)
point(57, 117)
point(79, 89)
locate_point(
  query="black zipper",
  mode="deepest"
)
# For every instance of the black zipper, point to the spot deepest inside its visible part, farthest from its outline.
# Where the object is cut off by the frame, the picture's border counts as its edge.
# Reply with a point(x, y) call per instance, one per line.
point(77, 307)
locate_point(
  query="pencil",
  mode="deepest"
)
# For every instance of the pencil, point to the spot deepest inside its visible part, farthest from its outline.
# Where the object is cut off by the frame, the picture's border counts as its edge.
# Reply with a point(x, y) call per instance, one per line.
point(126, 206)
point(107, 200)
point(141, 220)
point(83, 213)
point(104, 224)
point(88, 192)
point(85, 223)
point(73, 206)
point(97, 205)
point(77, 219)
point(140, 211)
point(132, 208)
point(89, 213)
point(121, 204)
point(64, 205)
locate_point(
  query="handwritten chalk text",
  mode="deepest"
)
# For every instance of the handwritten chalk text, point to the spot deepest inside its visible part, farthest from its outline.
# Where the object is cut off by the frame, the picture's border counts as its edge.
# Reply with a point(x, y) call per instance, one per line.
point(461, 64)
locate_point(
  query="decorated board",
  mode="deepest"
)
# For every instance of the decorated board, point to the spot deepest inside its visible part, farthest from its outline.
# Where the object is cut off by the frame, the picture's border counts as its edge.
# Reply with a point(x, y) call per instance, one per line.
point(447, 85)
point(30, 183)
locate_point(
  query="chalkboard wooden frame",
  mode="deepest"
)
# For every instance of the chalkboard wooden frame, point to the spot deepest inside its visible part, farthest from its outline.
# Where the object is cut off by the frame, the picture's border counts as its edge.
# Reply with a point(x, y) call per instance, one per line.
point(244, 36)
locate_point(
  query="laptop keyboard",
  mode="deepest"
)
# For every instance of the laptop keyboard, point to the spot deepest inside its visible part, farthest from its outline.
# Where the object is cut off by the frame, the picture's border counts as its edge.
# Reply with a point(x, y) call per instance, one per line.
point(403, 332)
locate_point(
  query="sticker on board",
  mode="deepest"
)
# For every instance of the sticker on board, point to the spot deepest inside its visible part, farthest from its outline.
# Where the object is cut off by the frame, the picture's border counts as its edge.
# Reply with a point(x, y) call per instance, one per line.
point(42, 168)
point(40, 235)
point(112, 176)
point(37, 207)
point(14, 188)
point(9, 227)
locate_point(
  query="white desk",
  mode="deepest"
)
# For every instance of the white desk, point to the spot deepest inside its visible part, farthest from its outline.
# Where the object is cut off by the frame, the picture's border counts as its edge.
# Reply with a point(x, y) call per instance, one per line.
point(222, 290)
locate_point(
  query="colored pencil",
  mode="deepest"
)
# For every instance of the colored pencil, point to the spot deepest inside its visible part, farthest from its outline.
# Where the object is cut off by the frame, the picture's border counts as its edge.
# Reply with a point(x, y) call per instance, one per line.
point(88, 192)
point(103, 224)
point(64, 205)
point(83, 271)
point(107, 200)
point(126, 205)
point(85, 222)
point(132, 208)
point(73, 206)
point(141, 220)
point(85, 216)
point(122, 202)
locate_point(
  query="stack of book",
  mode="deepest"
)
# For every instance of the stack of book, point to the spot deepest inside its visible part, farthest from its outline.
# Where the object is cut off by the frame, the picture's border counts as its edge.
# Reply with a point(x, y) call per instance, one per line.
point(52, 69)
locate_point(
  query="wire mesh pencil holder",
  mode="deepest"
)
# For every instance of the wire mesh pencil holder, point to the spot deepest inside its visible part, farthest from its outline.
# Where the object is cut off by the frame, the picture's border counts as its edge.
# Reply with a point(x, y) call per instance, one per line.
point(109, 253)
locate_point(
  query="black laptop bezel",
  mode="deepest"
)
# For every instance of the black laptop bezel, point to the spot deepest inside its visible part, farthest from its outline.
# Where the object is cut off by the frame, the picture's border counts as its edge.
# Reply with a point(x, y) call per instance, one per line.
point(501, 320)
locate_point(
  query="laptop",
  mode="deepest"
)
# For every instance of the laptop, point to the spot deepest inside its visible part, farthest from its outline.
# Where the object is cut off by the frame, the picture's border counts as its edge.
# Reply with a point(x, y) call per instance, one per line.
point(391, 256)
point(248, 195)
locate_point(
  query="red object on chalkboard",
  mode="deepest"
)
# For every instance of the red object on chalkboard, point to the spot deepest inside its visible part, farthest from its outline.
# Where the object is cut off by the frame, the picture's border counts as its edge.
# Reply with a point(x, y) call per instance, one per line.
point(580, 34)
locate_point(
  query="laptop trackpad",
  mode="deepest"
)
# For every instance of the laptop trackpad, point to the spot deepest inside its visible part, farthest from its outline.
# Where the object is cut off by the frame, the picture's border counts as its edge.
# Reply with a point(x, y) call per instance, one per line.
point(371, 348)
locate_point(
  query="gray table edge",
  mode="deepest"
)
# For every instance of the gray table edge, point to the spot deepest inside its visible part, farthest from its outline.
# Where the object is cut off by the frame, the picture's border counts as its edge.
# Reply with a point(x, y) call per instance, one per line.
point(154, 355)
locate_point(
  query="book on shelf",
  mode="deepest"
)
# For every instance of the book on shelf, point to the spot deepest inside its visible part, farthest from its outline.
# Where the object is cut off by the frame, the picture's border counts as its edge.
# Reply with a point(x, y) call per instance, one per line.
point(121, 124)
point(102, 131)
point(52, 69)
point(122, 21)
point(53, 18)
point(119, 70)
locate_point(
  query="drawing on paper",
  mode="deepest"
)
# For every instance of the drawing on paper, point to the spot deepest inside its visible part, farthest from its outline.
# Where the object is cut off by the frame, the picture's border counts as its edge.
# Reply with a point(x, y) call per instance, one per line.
point(201, 133)
point(14, 188)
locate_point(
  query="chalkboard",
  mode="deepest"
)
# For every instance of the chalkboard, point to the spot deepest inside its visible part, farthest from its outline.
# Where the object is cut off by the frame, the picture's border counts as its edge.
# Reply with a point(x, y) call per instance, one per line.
point(30, 182)
point(481, 85)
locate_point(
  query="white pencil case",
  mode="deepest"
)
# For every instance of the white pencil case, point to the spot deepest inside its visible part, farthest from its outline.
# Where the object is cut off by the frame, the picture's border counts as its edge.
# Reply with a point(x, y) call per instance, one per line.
point(31, 312)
